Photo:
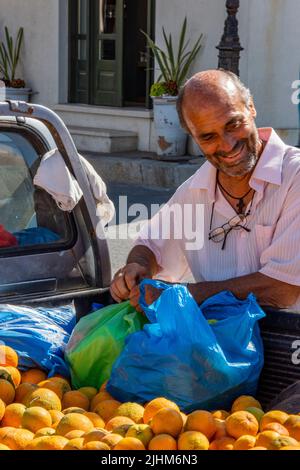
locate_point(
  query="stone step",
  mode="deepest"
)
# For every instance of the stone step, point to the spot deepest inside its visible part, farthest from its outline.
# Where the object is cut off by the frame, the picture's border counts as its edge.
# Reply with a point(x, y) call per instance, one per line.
point(137, 121)
point(139, 168)
point(91, 139)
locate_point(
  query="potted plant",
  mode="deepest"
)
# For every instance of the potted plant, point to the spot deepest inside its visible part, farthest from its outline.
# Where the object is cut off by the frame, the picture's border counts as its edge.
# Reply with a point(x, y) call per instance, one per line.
point(15, 88)
point(174, 68)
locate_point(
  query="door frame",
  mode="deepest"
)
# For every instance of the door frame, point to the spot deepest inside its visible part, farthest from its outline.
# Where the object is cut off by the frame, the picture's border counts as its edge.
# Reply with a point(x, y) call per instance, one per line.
point(91, 50)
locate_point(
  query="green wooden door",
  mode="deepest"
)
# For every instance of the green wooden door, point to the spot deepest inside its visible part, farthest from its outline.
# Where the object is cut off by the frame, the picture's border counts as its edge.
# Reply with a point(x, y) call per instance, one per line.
point(107, 53)
point(98, 50)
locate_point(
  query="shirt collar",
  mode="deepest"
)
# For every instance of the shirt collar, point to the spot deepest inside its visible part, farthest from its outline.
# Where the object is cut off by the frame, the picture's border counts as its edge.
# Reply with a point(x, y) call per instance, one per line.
point(268, 168)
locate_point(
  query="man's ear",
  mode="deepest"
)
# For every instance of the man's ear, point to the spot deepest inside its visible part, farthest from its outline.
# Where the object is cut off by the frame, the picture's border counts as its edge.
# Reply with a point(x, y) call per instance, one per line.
point(252, 108)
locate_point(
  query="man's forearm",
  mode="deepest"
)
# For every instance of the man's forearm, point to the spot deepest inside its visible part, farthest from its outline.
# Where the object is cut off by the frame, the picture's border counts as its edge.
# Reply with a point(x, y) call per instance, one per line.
point(268, 291)
point(145, 257)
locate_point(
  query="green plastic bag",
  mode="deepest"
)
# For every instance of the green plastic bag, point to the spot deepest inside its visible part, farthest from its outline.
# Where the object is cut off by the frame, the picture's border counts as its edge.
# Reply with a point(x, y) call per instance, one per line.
point(97, 340)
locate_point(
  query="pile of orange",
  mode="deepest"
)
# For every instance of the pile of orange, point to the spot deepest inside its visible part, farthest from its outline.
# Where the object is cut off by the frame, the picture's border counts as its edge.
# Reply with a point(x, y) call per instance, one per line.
point(40, 413)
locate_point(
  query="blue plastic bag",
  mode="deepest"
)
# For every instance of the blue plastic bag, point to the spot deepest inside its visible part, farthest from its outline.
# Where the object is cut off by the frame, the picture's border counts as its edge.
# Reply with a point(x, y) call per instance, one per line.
point(39, 335)
point(35, 235)
point(200, 358)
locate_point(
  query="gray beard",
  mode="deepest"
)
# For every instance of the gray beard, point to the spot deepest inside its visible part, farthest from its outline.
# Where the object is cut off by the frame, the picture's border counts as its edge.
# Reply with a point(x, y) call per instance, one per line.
point(244, 169)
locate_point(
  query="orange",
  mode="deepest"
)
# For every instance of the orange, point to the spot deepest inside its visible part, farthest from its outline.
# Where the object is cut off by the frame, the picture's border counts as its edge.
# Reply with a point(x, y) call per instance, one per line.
point(221, 429)
point(89, 392)
point(201, 421)
point(245, 443)
point(55, 415)
point(292, 424)
point(274, 416)
point(13, 415)
point(23, 390)
point(106, 409)
point(59, 386)
point(15, 375)
point(35, 418)
point(282, 441)
point(122, 429)
point(96, 445)
point(193, 440)
point(8, 356)
point(243, 402)
point(73, 421)
point(103, 386)
point(43, 397)
point(224, 443)
point(258, 448)
point(48, 443)
point(278, 428)
point(3, 447)
point(133, 411)
point(74, 434)
point(45, 432)
point(167, 421)
point(75, 398)
point(7, 391)
point(2, 409)
point(74, 409)
point(257, 412)
point(265, 438)
point(59, 377)
point(15, 439)
point(163, 442)
point(95, 435)
point(220, 414)
point(118, 421)
point(96, 419)
point(240, 423)
point(112, 440)
point(143, 432)
point(129, 443)
point(6, 375)
point(33, 376)
point(184, 417)
point(155, 405)
point(290, 448)
point(74, 444)
point(101, 396)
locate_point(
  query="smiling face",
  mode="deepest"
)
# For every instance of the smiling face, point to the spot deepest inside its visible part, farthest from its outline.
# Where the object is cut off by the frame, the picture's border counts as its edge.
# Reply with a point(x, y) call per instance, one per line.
point(224, 128)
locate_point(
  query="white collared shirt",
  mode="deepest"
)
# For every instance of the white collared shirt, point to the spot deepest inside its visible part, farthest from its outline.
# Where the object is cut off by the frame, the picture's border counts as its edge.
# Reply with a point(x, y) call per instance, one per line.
point(272, 247)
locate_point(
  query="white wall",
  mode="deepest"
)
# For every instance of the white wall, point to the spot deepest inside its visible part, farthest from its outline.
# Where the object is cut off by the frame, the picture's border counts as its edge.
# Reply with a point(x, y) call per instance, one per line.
point(39, 65)
point(204, 16)
point(273, 52)
point(270, 34)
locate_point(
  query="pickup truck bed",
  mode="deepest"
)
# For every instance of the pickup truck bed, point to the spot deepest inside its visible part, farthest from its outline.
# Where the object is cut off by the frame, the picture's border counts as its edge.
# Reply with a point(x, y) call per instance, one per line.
point(280, 331)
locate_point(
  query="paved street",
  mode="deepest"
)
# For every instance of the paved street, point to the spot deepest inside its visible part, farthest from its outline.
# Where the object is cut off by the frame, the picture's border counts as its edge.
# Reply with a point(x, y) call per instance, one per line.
point(119, 248)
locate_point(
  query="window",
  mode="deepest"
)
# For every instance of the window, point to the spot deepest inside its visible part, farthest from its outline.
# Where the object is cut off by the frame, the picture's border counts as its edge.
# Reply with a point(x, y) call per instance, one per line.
point(29, 217)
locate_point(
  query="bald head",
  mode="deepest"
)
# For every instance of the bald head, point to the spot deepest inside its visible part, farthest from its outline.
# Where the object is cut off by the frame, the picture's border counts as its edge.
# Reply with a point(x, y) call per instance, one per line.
point(211, 87)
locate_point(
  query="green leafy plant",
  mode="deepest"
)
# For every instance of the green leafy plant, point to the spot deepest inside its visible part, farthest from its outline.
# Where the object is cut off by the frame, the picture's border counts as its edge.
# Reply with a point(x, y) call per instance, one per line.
point(9, 58)
point(174, 67)
point(158, 89)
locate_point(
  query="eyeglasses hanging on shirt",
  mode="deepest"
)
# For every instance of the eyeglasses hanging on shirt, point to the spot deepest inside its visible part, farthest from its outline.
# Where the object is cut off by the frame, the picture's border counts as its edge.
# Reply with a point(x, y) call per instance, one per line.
point(238, 222)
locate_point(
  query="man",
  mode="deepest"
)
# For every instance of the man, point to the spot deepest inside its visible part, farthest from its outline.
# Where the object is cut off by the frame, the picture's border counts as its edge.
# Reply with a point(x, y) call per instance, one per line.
point(249, 189)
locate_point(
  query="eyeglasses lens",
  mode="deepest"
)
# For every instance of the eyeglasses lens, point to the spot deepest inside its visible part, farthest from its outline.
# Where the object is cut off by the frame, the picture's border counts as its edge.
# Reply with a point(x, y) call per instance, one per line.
point(217, 235)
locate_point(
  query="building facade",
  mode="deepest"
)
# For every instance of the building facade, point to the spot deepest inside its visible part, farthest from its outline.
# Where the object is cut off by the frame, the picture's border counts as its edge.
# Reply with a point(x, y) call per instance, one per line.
point(87, 58)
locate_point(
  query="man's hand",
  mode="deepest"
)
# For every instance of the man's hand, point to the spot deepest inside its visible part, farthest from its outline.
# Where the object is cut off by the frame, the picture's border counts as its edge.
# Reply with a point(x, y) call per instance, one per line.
point(151, 294)
point(126, 279)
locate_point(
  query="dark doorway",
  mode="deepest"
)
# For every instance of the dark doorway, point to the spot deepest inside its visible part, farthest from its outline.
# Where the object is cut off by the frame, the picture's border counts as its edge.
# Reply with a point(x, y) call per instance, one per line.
point(108, 61)
point(134, 50)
